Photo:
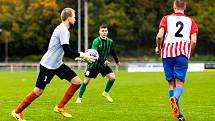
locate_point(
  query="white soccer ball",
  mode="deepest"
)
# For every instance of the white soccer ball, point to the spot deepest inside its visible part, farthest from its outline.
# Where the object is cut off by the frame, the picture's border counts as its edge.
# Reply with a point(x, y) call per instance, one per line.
point(92, 52)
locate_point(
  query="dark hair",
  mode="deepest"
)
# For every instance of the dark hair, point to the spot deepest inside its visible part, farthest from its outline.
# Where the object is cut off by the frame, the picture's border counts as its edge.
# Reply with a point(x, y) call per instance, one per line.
point(180, 3)
point(102, 26)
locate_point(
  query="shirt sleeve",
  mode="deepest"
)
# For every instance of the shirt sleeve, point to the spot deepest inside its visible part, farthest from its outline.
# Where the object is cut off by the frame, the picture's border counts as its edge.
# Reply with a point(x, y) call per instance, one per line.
point(194, 27)
point(163, 23)
point(64, 36)
point(69, 52)
point(95, 44)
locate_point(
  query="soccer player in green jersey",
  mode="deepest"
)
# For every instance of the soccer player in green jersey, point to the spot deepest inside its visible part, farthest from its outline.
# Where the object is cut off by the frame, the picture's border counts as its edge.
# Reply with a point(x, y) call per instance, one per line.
point(104, 46)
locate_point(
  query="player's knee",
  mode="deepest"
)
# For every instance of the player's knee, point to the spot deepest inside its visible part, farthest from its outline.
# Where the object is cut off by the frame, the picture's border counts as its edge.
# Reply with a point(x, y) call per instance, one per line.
point(38, 91)
point(76, 80)
point(171, 84)
point(179, 83)
point(86, 81)
point(112, 78)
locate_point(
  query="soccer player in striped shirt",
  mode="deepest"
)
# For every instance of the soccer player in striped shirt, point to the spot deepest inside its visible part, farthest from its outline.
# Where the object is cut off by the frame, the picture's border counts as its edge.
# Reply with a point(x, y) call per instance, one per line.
point(175, 49)
point(104, 46)
point(51, 64)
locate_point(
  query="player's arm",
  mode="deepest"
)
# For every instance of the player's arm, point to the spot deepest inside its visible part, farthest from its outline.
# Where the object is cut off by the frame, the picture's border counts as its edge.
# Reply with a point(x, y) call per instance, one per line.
point(159, 37)
point(159, 40)
point(193, 37)
point(113, 53)
point(69, 52)
point(193, 41)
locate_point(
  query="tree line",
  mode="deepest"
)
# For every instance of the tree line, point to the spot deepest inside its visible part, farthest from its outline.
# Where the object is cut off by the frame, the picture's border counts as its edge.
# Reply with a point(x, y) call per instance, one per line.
point(26, 25)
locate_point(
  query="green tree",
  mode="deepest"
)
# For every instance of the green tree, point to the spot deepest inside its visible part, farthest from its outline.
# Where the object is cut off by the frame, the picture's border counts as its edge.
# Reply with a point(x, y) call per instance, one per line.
point(133, 24)
point(30, 24)
point(112, 14)
point(205, 14)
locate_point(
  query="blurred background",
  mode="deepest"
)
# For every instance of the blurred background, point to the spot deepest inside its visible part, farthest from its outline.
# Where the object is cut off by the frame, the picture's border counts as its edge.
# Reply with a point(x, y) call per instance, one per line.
point(26, 27)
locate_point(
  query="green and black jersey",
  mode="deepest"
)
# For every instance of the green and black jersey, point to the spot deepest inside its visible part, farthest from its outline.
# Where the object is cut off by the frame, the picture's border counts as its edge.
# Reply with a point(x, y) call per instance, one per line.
point(104, 47)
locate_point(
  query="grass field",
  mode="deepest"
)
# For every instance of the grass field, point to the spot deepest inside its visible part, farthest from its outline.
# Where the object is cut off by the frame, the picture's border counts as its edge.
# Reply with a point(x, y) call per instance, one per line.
point(137, 97)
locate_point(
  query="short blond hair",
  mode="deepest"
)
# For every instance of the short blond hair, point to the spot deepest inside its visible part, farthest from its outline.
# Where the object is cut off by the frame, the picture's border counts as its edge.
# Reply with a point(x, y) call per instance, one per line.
point(66, 12)
point(180, 4)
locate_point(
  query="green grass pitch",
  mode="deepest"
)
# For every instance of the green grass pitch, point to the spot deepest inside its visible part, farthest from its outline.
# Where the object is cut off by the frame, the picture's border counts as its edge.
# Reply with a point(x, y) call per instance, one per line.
point(137, 97)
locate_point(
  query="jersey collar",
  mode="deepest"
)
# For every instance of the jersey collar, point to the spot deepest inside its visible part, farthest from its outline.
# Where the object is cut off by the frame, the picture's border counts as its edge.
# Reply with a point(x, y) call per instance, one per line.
point(179, 14)
point(101, 38)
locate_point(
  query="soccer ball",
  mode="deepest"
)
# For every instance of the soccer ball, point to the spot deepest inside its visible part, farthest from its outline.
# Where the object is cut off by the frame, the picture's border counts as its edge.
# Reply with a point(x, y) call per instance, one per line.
point(92, 52)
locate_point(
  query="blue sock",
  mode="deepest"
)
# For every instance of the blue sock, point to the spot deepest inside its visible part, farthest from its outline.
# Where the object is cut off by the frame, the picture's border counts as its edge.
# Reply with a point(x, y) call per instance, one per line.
point(171, 93)
point(177, 92)
point(180, 113)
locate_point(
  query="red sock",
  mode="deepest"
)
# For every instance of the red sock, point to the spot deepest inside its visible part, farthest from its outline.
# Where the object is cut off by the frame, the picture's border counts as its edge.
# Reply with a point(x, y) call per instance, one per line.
point(69, 93)
point(26, 101)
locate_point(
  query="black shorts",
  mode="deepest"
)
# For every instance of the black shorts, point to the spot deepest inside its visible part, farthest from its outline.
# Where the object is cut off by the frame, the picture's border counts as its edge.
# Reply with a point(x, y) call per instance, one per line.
point(46, 75)
point(93, 73)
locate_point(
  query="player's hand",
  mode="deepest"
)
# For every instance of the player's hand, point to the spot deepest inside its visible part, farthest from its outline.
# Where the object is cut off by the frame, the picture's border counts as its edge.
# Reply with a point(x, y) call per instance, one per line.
point(157, 51)
point(117, 64)
point(79, 59)
point(87, 57)
point(106, 62)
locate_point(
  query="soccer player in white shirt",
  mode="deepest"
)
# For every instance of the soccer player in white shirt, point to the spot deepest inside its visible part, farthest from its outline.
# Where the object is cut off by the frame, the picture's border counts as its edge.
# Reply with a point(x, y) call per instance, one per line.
point(51, 64)
point(175, 48)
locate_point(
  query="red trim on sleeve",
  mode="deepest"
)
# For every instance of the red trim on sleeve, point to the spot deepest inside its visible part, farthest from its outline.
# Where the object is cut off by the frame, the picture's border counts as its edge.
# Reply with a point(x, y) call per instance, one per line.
point(194, 27)
point(163, 23)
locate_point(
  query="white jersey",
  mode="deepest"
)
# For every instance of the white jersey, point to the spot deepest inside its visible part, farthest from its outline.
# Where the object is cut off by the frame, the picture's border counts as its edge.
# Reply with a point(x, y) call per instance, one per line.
point(53, 58)
point(178, 28)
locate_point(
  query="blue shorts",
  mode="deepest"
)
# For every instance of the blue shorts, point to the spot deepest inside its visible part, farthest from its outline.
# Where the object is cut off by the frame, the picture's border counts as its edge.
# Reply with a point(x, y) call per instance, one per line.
point(175, 67)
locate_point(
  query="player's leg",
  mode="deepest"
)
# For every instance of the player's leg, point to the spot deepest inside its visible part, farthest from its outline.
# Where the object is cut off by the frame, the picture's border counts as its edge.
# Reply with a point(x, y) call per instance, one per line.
point(110, 82)
point(171, 85)
point(36, 92)
point(43, 79)
point(177, 94)
point(17, 113)
point(168, 64)
point(74, 86)
point(89, 73)
point(180, 71)
point(82, 89)
point(107, 71)
point(64, 72)
point(178, 89)
point(175, 108)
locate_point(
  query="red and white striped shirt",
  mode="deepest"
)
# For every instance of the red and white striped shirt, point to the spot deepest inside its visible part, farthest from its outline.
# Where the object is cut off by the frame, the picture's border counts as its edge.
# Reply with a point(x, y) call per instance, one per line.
point(178, 28)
